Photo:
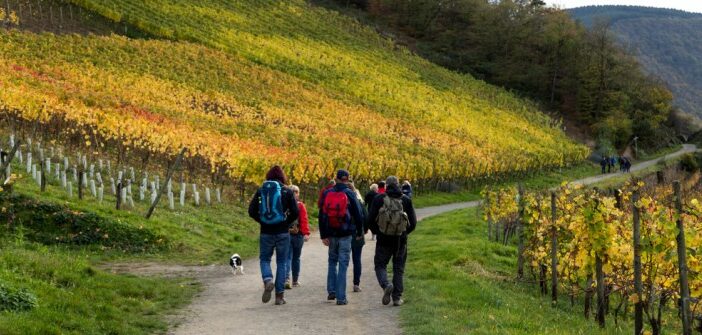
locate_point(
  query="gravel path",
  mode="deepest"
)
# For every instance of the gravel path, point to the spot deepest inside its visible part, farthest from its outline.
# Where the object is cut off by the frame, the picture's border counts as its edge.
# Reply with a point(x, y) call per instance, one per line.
point(232, 304)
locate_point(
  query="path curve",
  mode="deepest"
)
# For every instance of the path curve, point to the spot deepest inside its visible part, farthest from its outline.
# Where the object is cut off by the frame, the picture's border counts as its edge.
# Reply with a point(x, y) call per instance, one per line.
point(686, 149)
point(232, 304)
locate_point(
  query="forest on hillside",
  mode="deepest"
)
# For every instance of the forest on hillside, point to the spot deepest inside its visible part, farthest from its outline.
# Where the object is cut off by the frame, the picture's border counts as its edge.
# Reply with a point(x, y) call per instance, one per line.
point(667, 42)
point(580, 74)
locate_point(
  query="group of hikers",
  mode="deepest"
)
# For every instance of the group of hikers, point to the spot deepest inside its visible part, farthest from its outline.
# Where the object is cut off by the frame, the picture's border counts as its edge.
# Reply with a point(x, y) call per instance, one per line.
point(344, 219)
point(609, 163)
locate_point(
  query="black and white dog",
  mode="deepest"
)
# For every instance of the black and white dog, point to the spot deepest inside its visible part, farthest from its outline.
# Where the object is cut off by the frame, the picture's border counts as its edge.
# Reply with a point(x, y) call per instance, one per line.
point(236, 264)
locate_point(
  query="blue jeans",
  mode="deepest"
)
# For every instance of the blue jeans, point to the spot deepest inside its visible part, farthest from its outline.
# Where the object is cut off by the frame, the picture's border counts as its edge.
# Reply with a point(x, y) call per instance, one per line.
point(356, 255)
point(293, 263)
point(339, 253)
point(279, 243)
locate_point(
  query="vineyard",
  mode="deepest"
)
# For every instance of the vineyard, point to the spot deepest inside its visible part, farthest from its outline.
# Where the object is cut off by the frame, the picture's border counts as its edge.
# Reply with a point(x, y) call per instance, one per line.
point(275, 82)
point(622, 248)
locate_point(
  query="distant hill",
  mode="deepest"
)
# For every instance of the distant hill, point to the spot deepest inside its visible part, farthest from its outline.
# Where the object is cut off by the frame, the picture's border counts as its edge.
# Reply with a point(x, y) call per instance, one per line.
point(667, 42)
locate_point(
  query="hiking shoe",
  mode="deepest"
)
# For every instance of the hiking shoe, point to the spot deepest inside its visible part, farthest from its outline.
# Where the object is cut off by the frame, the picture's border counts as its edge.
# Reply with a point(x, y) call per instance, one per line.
point(287, 284)
point(279, 299)
point(398, 302)
point(267, 289)
point(331, 296)
point(386, 294)
point(342, 302)
point(296, 284)
point(357, 288)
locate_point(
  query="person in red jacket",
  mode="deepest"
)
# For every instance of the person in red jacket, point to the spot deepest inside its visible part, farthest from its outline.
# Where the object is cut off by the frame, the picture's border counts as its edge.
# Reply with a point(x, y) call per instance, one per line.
point(381, 187)
point(299, 234)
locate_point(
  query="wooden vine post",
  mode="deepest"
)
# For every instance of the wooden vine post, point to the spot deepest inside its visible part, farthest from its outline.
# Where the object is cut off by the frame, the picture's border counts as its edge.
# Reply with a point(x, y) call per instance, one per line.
point(42, 178)
point(599, 279)
point(638, 286)
point(520, 230)
point(10, 157)
point(554, 250)
point(118, 195)
point(169, 175)
point(489, 218)
point(600, 316)
point(682, 264)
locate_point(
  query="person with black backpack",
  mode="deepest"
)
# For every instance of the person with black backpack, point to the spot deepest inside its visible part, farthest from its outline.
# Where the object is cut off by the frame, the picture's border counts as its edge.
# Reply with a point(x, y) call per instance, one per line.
point(340, 218)
point(274, 207)
point(392, 218)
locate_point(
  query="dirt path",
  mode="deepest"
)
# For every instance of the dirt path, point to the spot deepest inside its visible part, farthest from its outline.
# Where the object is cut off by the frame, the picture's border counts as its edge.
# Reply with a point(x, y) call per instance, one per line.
point(232, 304)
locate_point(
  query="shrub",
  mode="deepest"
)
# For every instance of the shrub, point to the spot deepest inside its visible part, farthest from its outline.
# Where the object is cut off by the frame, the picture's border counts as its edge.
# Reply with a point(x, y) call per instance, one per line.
point(49, 223)
point(690, 163)
point(16, 300)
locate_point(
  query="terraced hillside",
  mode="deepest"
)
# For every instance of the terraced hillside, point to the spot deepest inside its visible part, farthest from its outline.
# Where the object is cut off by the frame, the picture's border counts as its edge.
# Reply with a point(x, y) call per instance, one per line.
point(245, 84)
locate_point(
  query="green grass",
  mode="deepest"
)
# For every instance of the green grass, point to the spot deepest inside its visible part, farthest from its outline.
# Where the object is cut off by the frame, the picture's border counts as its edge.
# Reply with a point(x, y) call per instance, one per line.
point(644, 156)
point(207, 234)
point(457, 282)
point(76, 298)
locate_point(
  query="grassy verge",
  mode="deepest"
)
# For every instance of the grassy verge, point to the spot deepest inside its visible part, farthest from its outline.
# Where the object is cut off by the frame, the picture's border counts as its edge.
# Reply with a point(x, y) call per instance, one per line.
point(643, 156)
point(460, 283)
point(54, 247)
point(72, 297)
point(206, 234)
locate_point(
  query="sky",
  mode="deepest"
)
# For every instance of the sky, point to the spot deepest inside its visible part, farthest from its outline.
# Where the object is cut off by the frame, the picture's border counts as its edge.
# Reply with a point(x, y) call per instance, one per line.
point(687, 5)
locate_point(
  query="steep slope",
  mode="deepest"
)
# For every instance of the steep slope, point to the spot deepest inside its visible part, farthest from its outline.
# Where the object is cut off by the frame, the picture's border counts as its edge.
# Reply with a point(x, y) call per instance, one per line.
point(275, 82)
point(667, 42)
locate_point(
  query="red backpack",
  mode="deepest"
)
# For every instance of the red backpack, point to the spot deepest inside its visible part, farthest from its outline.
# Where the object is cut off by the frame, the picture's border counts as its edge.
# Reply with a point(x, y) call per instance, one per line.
point(335, 206)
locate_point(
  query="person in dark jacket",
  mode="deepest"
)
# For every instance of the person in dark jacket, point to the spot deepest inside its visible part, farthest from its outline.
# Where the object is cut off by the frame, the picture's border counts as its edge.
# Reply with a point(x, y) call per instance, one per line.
point(338, 239)
point(603, 163)
point(275, 237)
point(368, 200)
point(407, 188)
point(391, 247)
point(357, 243)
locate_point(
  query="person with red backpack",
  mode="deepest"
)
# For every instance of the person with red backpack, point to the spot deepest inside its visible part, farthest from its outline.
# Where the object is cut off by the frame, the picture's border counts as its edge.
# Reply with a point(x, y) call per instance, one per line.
point(275, 208)
point(392, 218)
point(340, 220)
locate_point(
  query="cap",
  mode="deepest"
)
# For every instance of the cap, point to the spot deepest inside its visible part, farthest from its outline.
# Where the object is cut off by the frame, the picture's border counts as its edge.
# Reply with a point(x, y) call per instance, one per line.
point(342, 174)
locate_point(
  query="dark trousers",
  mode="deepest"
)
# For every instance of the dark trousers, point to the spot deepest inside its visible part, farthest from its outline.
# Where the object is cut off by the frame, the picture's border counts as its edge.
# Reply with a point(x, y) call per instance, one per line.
point(383, 254)
point(356, 250)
